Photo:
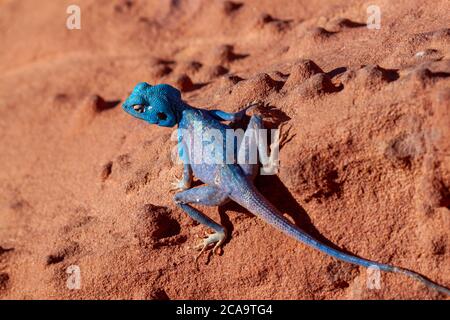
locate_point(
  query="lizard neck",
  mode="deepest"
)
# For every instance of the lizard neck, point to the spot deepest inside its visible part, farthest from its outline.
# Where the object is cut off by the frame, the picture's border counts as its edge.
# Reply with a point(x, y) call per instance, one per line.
point(180, 108)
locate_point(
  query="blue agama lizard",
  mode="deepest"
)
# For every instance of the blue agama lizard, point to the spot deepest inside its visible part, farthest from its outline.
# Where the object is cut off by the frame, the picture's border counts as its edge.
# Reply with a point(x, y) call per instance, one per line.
point(162, 105)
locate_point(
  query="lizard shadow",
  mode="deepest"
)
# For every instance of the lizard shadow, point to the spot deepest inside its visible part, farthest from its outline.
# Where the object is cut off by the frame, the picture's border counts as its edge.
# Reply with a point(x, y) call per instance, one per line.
point(273, 189)
point(279, 195)
point(103, 105)
point(196, 86)
point(337, 71)
point(275, 115)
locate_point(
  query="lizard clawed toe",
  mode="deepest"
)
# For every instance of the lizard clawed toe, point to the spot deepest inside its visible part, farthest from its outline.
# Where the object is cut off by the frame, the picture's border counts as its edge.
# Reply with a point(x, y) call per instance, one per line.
point(284, 137)
point(216, 238)
point(279, 140)
point(252, 108)
point(179, 184)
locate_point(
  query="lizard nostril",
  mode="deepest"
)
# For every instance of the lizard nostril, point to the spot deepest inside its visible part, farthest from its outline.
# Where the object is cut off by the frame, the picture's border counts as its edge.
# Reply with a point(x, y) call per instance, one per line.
point(162, 116)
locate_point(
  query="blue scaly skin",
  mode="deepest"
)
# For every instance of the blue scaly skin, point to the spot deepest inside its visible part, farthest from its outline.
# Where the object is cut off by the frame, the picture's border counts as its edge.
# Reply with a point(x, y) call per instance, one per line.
point(162, 105)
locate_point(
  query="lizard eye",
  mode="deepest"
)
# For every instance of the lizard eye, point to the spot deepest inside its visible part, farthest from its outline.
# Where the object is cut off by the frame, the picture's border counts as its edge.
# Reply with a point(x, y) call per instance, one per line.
point(139, 108)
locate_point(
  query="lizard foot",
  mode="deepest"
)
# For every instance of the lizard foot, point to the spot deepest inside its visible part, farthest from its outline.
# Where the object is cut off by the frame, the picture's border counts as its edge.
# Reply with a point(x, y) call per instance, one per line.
point(238, 116)
point(279, 140)
point(179, 184)
point(216, 238)
point(285, 137)
point(252, 108)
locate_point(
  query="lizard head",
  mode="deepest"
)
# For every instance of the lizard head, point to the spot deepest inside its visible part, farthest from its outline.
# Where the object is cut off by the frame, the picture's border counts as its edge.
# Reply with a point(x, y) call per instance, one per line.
point(154, 104)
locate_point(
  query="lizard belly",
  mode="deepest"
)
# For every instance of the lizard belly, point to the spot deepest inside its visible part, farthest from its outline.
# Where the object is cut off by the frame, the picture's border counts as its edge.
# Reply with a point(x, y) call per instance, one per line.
point(220, 175)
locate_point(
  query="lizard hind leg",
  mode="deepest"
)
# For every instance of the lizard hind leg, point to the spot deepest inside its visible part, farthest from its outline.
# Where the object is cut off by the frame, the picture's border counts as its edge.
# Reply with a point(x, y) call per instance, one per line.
point(208, 196)
point(248, 149)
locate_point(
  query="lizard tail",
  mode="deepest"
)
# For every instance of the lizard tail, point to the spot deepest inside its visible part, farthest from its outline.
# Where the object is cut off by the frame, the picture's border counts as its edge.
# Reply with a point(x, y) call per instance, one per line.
point(253, 201)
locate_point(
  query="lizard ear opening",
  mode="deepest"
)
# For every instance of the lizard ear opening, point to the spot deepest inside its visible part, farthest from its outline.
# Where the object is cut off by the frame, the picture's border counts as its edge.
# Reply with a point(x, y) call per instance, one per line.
point(161, 116)
point(161, 113)
point(166, 118)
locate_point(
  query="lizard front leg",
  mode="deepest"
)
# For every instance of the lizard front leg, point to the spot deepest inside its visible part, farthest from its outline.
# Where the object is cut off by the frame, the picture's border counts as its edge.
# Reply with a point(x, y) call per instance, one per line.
point(231, 116)
point(186, 180)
